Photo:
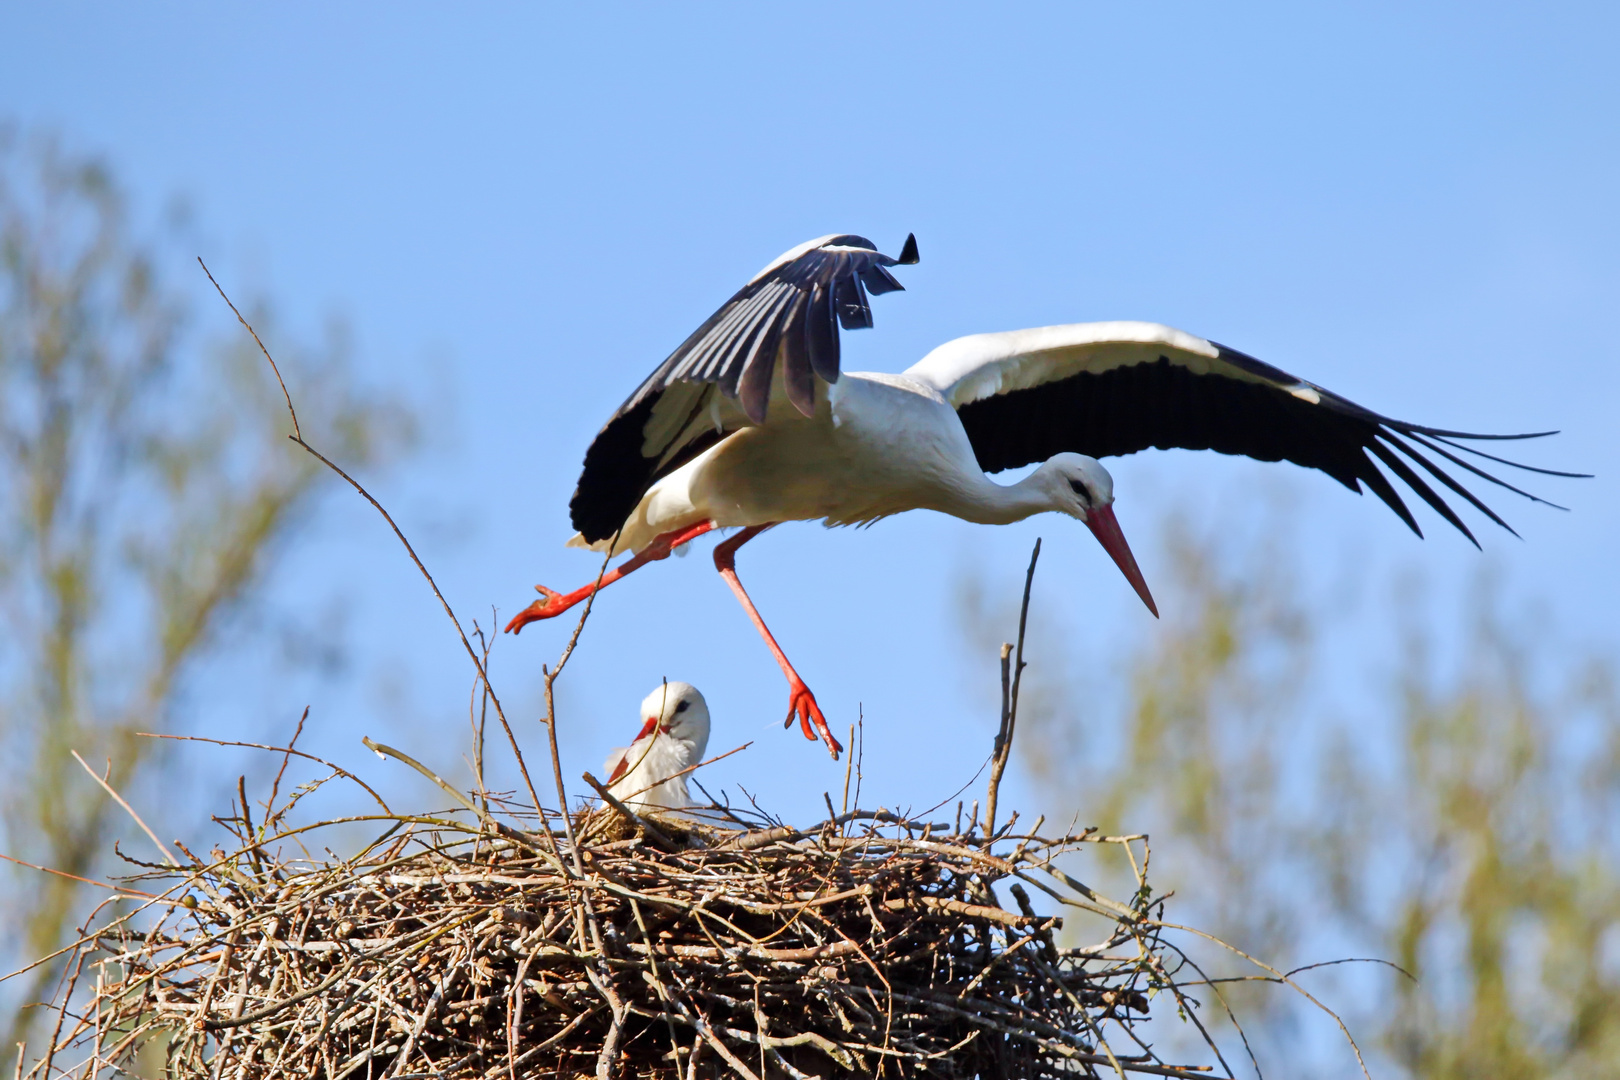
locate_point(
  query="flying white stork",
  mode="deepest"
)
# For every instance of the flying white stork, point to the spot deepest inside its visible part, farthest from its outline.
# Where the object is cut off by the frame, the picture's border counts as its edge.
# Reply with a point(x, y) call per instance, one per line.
point(651, 772)
point(750, 422)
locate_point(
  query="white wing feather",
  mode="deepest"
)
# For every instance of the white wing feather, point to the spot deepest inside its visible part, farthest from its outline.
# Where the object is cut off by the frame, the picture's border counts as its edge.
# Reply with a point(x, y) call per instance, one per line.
point(982, 365)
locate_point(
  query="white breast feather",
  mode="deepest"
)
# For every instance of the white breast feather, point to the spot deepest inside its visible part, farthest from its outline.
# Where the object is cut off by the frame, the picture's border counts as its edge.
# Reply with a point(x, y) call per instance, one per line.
point(654, 760)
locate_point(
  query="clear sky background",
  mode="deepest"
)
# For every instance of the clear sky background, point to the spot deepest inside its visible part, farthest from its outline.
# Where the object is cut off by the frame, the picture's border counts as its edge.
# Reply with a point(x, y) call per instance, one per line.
point(520, 211)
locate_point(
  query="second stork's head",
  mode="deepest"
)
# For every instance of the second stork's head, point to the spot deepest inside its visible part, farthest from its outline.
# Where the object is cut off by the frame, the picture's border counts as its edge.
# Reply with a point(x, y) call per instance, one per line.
point(678, 711)
point(1080, 487)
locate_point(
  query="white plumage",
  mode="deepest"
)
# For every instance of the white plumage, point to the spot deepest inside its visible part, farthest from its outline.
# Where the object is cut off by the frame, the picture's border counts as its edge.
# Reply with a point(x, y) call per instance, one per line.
point(650, 772)
point(878, 445)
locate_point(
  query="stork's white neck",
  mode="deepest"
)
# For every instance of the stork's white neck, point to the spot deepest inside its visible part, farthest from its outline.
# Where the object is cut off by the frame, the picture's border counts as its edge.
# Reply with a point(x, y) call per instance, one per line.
point(986, 502)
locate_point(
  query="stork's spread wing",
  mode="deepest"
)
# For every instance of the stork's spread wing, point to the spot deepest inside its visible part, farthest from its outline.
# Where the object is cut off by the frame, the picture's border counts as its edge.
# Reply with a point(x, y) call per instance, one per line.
point(725, 375)
point(1106, 389)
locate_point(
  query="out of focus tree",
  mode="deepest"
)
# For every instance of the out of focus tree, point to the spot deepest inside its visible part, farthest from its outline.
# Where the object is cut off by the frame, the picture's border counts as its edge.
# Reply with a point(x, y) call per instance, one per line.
point(1502, 808)
point(1459, 823)
point(145, 490)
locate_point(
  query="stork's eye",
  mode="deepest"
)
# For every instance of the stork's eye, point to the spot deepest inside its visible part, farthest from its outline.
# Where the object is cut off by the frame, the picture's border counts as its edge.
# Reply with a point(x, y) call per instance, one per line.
point(682, 706)
point(1080, 490)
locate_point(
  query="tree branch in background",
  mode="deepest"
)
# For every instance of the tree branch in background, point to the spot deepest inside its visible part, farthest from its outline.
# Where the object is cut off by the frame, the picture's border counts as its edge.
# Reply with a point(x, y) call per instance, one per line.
point(1456, 821)
point(143, 499)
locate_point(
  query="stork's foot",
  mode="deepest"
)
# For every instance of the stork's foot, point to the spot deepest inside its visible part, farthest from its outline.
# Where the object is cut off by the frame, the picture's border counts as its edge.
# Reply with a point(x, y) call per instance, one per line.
point(549, 606)
point(802, 704)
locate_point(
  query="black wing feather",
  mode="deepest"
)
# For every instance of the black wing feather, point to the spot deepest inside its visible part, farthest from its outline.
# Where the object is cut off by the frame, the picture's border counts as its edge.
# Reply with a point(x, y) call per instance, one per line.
point(1419, 485)
point(1165, 405)
point(1499, 482)
point(1380, 485)
point(854, 313)
point(821, 334)
point(792, 312)
point(1448, 480)
point(798, 375)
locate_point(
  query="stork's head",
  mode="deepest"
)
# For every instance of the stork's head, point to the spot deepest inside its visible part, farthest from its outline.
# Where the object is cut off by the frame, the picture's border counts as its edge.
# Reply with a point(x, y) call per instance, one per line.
point(1082, 488)
point(679, 711)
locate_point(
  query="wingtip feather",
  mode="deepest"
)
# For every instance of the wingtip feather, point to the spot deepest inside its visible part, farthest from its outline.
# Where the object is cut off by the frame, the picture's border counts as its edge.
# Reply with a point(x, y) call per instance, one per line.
point(1380, 485)
point(1412, 480)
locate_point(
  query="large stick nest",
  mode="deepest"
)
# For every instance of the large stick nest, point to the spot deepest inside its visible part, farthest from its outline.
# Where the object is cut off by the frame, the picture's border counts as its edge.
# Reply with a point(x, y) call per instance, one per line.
point(866, 945)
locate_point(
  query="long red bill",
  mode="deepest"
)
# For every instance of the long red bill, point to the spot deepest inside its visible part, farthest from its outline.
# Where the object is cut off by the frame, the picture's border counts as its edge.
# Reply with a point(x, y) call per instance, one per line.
point(1105, 528)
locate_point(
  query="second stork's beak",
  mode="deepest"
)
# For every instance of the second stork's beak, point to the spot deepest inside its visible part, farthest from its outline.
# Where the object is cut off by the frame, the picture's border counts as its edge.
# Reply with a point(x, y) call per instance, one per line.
point(1105, 528)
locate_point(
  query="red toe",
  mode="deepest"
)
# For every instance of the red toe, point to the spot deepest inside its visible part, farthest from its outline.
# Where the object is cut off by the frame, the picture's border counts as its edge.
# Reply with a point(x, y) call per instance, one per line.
point(803, 703)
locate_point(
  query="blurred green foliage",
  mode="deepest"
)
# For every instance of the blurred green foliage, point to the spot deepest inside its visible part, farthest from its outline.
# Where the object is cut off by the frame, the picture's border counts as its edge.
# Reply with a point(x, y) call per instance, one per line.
point(146, 488)
point(1465, 828)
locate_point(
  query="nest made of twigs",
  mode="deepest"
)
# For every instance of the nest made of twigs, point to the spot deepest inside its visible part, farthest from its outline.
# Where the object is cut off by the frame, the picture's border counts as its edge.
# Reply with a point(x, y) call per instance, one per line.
point(868, 944)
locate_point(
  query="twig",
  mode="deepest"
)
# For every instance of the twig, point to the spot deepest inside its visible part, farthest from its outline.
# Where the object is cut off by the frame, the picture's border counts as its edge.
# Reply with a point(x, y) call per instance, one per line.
point(1009, 701)
point(1351, 960)
point(550, 675)
point(849, 766)
point(998, 756)
point(384, 750)
point(338, 769)
point(130, 810)
point(500, 713)
point(690, 769)
point(120, 889)
point(286, 758)
point(298, 437)
point(1280, 977)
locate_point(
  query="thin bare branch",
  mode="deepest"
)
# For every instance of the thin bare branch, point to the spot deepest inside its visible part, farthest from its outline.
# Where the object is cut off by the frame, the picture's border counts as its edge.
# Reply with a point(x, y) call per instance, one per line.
point(383, 750)
point(298, 435)
point(1009, 701)
point(128, 809)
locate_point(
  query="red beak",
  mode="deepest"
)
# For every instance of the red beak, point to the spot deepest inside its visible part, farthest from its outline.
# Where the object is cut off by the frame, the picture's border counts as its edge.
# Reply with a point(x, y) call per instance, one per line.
point(1105, 528)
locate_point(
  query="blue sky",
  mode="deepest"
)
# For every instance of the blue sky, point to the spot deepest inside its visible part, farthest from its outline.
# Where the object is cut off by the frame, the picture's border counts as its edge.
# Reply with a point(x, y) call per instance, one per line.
point(520, 211)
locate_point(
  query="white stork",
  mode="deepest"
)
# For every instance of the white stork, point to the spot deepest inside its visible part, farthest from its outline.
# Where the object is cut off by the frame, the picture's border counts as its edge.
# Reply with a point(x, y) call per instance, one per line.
point(651, 771)
point(750, 422)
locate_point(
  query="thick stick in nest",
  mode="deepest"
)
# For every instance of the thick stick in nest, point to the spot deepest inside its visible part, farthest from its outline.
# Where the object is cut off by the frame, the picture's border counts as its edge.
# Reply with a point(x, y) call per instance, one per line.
point(867, 945)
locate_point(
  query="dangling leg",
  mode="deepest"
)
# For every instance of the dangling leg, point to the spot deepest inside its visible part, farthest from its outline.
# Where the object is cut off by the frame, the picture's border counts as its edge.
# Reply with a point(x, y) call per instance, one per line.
point(801, 702)
point(553, 604)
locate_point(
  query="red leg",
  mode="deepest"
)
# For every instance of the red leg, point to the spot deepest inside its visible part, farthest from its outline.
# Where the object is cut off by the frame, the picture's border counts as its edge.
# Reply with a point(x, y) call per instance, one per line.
point(801, 702)
point(552, 604)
